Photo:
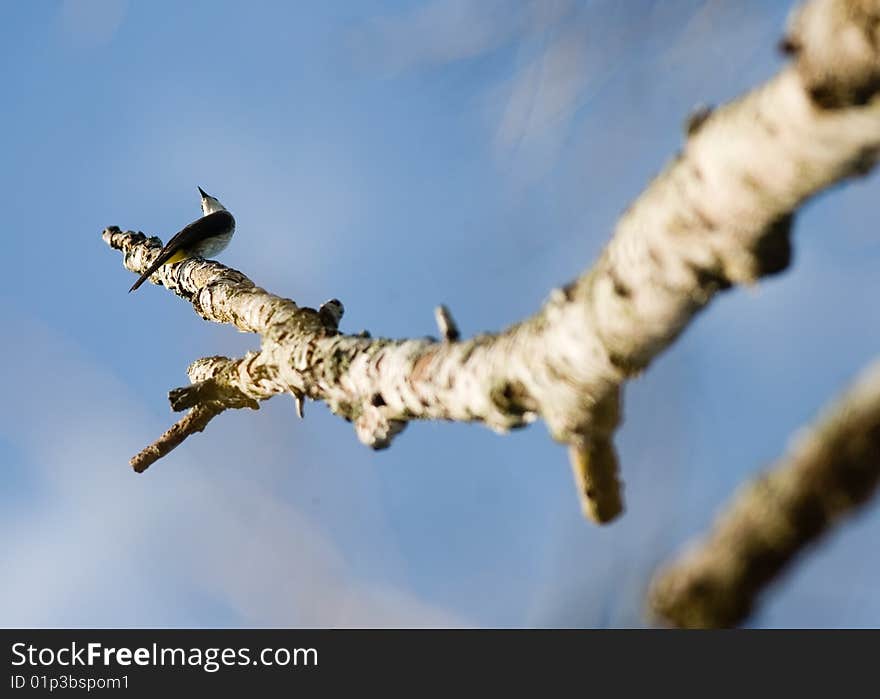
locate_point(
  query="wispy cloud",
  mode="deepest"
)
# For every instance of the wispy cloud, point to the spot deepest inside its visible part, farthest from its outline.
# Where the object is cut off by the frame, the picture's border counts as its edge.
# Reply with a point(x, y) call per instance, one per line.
point(561, 54)
point(92, 544)
point(438, 32)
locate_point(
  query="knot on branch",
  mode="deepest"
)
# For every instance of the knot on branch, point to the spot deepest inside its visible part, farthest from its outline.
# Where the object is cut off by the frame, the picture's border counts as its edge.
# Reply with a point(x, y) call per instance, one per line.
point(514, 406)
point(373, 427)
point(331, 313)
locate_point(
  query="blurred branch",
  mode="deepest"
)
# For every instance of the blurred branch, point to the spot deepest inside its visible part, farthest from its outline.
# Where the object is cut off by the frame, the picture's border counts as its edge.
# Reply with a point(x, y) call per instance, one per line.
point(832, 469)
point(718, 215)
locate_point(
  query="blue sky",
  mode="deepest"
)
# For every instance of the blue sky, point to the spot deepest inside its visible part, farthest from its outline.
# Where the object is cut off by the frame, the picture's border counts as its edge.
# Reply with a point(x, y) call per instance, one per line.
point(394, 155)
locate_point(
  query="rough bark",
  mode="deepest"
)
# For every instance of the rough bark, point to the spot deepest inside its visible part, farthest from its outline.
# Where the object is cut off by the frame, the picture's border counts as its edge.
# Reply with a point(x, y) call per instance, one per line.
point(719, 214)
point(831, 469)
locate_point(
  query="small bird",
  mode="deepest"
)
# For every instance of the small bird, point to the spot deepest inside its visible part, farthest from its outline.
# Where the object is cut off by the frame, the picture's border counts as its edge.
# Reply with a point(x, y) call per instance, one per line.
point(204, 237)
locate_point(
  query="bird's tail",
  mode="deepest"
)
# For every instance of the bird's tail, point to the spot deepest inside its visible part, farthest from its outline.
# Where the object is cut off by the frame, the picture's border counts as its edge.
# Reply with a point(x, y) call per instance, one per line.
point(143, 278)
point(165, 258)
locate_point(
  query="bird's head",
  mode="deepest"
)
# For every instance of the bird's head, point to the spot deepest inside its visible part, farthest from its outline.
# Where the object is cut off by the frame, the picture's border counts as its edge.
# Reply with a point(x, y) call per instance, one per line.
point(209, 203)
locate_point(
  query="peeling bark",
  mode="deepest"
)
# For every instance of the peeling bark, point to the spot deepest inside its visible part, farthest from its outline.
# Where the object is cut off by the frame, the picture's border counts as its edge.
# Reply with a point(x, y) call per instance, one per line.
point(719, 214)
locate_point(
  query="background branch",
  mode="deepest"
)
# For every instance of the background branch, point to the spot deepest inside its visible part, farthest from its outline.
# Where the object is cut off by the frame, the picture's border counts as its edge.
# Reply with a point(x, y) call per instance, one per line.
point(832, 469)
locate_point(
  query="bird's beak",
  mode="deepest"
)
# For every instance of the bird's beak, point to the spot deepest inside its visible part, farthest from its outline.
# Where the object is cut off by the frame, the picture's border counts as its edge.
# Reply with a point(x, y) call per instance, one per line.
point(204, 194)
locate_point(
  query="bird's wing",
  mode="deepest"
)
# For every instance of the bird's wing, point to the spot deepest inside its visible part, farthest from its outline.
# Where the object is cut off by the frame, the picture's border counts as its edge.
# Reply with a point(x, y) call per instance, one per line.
point(204, 227)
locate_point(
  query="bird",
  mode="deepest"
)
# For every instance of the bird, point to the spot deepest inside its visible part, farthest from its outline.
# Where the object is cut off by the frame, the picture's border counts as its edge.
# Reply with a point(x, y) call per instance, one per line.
point(204, 237)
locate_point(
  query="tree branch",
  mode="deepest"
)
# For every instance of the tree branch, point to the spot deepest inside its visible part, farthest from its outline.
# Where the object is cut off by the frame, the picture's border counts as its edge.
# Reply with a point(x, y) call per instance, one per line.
point(718, 215)
point(831, 470)
point(194, 421)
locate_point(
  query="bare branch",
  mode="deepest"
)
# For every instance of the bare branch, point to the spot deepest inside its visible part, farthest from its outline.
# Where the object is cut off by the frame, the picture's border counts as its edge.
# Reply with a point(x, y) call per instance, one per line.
point(594, 466)
point(831, 470)
point(446, 324)
point(194, 421)
point(718, 215)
